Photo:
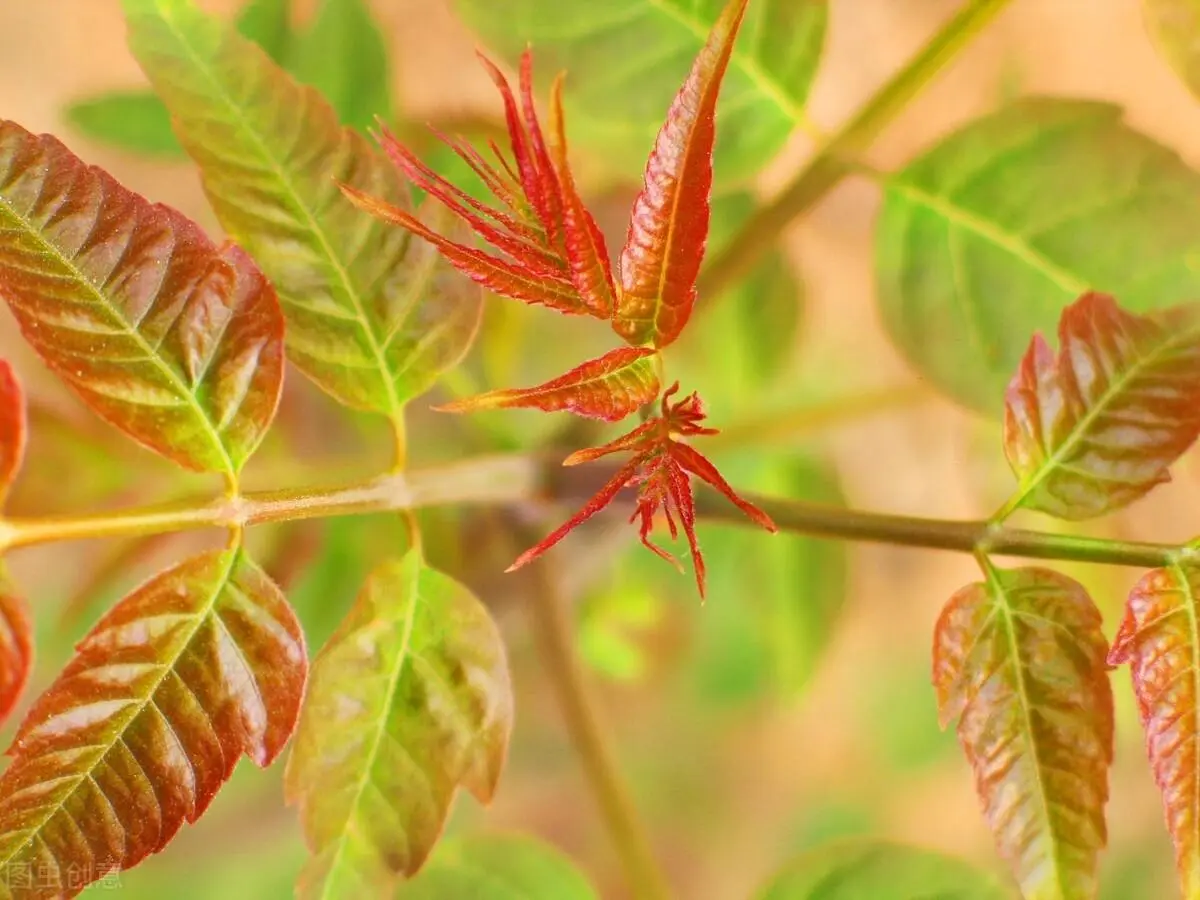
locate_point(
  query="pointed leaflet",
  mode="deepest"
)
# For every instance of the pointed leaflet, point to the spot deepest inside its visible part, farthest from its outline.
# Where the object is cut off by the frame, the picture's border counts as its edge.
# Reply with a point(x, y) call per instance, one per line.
point(1021, 658)
point(176, 341)
point(409, 699)
point(608, 388)
point(669, 224)
point(16, 626)
point(203, 663)
point(373, 316)
point(1160, 640)
point(1096, 428)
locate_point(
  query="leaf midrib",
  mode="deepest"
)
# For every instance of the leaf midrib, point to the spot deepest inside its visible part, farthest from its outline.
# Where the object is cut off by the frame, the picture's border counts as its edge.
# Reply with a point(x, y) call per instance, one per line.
point(131, 331)
point(140, 707)
point(1109, 397)
point(395, 408)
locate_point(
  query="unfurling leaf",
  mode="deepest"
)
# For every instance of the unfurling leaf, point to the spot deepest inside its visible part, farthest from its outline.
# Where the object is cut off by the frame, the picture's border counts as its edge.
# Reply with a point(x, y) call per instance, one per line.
point(202, 664)
point(1021, 658)
point(1097, 427)
point(669, 224)
point(174, 340)
point(409, 700)
point(661, 468)
point(608, 388)
point(498, 867)
point(556, 252)
point(373, 316)
point(1158, 638)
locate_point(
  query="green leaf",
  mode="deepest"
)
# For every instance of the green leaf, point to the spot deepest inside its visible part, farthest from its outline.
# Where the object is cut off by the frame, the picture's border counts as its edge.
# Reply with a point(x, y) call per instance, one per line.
point(373, 315)
point(199, 666)
point(498, 867)
point(344, 56)
point(172, 339)
point(626, 59)
point(878, 870)
point(986, 237)
point(138, 121)
point(409, 700)
point(1173, 25)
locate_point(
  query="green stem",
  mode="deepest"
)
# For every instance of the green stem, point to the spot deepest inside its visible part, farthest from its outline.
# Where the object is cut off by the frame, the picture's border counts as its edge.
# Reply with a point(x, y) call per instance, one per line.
point(837, 158)
point(552, 630)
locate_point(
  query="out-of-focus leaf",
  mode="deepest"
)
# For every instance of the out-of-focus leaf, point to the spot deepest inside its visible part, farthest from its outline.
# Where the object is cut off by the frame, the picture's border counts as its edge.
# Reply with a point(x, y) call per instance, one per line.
point(668, 227)
point(625, 59)
point(13, 428)
point(409, 700)
point(138, 121)
point(1021, 658)
point(877, 870)
point(202, 664)
point(1158, 638)
point(16, 646)
point(986, 237)
point(607, 388)
point(373, 316)
point(177, 342)
point(498, 867)
point(345, 57)
point(609, 622)
point(1096, 428)
point(1173, 25)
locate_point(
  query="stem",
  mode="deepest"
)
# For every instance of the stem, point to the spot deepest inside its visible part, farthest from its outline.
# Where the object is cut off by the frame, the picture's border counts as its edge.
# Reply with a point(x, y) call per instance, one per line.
point(837, 158)
point(552, 631)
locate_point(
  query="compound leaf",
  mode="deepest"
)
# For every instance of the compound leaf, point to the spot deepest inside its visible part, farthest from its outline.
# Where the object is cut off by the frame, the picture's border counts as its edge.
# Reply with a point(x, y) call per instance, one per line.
point(987, 236)
point(1021, 658)
point(202, 664)
point(498, 867)
point(625, 58)
point(1158, 638)
point(176, 341)
point(1096, 428)
point(373, 315)
point(409, 700)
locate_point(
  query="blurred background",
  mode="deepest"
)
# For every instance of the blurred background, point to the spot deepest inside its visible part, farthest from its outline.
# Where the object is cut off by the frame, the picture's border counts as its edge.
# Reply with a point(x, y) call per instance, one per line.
point(794, 707)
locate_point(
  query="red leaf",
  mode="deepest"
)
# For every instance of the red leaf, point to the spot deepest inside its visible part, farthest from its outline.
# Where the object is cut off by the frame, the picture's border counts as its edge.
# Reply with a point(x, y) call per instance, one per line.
point(16, 648)
point(669, 224)
point(176, 341)
point(1096, 428)
point(203, 663)
point(608, 388)
point(1021, 658)
point(1158, 638)
point(13, 427)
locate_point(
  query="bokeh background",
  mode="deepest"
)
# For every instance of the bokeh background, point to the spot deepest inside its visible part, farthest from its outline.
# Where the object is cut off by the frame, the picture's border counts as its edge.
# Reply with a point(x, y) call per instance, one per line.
point(734, 771)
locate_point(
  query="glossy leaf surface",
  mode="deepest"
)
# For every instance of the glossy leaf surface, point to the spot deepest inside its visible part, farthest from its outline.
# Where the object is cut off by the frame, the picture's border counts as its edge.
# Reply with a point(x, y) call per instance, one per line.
point(200, 665)
point(878, 870)
point(987, 236)
point(1020, 660)
point(625, 59)
point(409, 700)
point(608, 388)
point(138, 121)
point(176, 341)
point(1096, 427)
point(1158, 639)
point(498, 867)
point(373, 316)
point(668, 227)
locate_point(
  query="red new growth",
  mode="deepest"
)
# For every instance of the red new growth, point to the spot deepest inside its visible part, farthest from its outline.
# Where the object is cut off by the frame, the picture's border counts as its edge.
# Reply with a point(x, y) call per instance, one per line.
point(659, 469)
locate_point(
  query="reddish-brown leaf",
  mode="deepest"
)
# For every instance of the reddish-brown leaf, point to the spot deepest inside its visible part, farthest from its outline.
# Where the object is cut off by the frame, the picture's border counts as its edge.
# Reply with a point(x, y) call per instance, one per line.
point(13, 428)
point(607, 388)
point(408, 701)
point(669, 224)
point(16, 647)
point(176, 341)
point(1096, 428)
point(202, 664)
point(1021, 658)
point(1159, 639)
